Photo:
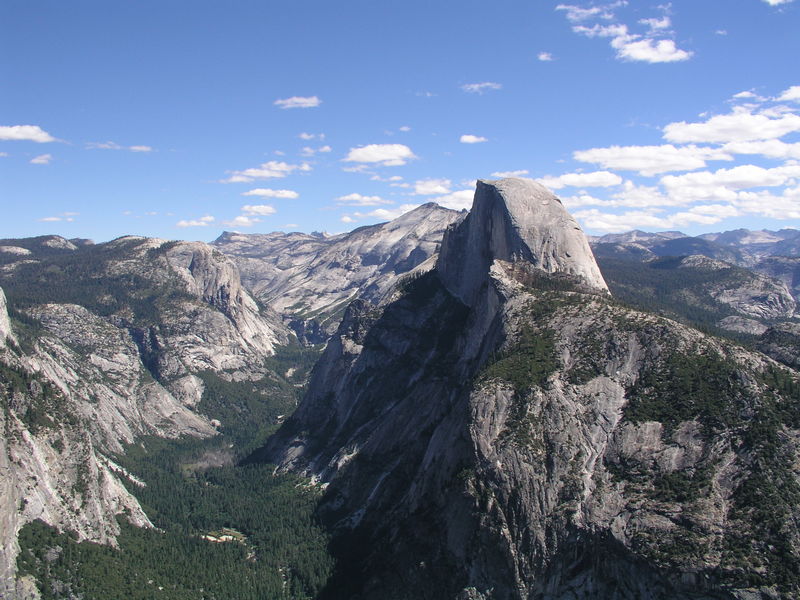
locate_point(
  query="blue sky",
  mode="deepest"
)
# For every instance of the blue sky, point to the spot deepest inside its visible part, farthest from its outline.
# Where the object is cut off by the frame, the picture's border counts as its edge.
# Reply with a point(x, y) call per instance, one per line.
point(182, 119)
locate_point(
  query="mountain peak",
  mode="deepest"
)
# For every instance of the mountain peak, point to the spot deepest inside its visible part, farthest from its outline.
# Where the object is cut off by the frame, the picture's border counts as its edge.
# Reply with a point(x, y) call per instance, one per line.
point(517, 221)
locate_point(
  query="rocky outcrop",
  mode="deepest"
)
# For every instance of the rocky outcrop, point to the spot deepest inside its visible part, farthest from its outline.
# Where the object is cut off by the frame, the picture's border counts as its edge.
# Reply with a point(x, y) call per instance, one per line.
point(782, 342)
point(783, 268)
point(517, 221)
point(5, 322)
point(310, 278)
point(749, 294)
point(508, 432)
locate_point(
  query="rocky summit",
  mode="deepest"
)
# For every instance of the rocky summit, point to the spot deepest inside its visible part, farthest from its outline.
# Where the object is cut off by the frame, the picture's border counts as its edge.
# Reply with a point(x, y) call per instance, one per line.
point(517, 221)
point(504, 429)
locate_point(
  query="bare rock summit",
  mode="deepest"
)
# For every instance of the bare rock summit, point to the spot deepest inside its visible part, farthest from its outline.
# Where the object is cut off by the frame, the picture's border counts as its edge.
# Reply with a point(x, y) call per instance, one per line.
point(521, 222)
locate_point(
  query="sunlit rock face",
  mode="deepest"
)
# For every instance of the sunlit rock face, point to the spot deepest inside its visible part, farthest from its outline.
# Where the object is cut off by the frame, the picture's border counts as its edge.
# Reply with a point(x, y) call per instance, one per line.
point(504, 430)
point(517, 221)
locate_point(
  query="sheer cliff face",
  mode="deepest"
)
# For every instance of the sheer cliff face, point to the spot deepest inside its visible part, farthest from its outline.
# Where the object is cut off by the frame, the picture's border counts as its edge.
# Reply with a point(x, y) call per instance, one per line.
point(516, 221)
point(503, 430)
point(82, 372)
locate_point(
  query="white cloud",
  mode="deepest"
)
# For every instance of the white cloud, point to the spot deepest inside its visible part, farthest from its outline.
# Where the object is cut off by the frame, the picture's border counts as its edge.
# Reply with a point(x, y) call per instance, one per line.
point(468, 138)
point(267, 170)
point(347, 219)
point(504, 174)
point(308, 151)
point(457, 200)
point(649, 50)
point(261, 210)
point(594, 219)
point(480, 88)
point(723, 184)
point(201, 222)
point(657, 24)
point(765, 204)
point(3, 154)
point(387, 214)
point(66, 217)
point(429, 187)
point(639, 196)
point(388, 155)
point(544, 56)
point(739, 126)
point(651, 160)
point(791, 94)
point(242, 221)
point(356, 169)
point(631, 196)
point(777, 2)
point(30, 133)
point(405, 128)
point(268, 193)
point(593, 179)
point(602, 31)
point(748, 95)
point(311, 136)
point(578, 13)
point(115, 146)
point(653, 47)
point(356, 199)
point(42, 159)
point(768, 148)
point(298, 102)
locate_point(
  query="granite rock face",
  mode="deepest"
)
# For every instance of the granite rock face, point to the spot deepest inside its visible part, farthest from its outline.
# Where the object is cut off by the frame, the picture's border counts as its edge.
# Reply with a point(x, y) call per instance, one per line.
point(112, 355)
point(310, 278)
point(517, 221)
point(504, 430)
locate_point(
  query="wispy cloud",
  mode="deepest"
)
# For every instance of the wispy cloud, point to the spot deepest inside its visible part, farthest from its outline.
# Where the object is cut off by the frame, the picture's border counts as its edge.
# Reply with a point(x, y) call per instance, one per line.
point(504, 174)
point(655, 45)
point(65, 217)
point(480, 88)
point(298, 102)
point(241, 221)
point(544, 56)
point(593, 179)
point(261, 210)
point(268, 170)
point(386, 214)
point(468, 138)
point(114, 146)
point(30, 133)
point(42, 159)
point(356, 199)
point(430, 187)
point(269, 193)
point(204, 221)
